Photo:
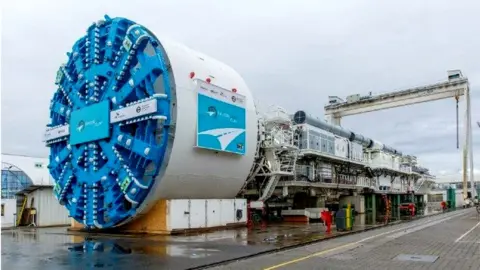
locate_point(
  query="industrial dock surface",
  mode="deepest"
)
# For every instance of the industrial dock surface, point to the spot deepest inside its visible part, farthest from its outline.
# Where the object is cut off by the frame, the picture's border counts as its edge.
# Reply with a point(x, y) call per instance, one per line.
point(444, 241)
point(447, 241)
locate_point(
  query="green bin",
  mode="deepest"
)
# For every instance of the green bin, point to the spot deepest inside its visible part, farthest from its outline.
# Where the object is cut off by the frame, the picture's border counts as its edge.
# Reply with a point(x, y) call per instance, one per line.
point(451, 198)
point(341, 220)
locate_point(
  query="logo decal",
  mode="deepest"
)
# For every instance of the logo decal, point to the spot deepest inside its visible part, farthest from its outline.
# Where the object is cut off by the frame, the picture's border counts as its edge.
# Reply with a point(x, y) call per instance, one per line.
point(81, 126)
point(212, 111)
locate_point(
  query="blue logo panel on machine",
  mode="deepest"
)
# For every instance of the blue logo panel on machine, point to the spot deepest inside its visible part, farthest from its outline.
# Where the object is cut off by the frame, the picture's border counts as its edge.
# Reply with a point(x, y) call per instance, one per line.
point(90, 123)
point(221, 119)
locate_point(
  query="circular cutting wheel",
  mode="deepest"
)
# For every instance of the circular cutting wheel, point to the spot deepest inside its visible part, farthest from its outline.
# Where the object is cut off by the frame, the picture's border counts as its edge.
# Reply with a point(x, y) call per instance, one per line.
point(110, 122)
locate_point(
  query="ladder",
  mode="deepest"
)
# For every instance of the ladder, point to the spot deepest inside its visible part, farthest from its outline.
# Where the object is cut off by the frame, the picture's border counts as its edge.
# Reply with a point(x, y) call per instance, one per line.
point(288, 163)
point(20, 214)
point(417, 188)
point(269, 187)
point(280, 165)
point(253, 172)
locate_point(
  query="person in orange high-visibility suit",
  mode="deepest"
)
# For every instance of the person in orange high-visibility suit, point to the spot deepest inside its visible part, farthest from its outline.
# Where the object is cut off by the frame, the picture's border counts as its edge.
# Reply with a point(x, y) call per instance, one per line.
point(327, 220)
point(444, 205)
point(411, 207)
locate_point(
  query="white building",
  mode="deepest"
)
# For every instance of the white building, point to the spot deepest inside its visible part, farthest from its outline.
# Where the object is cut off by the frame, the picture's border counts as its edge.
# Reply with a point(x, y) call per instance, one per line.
point(27, 190)
point(9, 211)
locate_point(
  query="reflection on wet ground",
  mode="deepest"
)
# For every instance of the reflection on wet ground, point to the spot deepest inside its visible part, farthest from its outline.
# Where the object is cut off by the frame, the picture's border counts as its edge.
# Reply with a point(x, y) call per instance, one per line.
point(57, 248)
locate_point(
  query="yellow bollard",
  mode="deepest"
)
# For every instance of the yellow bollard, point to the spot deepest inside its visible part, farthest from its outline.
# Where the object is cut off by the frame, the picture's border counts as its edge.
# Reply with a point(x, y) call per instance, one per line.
point(348, 217)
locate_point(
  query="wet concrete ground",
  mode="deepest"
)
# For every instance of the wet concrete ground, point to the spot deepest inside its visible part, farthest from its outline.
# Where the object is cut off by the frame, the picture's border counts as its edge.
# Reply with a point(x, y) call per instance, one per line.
point(57, 248)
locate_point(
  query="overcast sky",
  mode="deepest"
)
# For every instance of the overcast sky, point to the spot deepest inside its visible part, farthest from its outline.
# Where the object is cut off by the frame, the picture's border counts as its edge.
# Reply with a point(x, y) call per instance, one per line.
point(291, 53)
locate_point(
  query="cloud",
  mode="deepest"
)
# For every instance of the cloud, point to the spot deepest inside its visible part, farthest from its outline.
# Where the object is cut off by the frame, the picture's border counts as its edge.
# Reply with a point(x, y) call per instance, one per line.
point(291, 54)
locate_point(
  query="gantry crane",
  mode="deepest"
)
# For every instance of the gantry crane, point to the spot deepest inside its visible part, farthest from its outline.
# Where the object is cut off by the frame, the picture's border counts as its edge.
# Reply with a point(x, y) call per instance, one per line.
point(456, 86)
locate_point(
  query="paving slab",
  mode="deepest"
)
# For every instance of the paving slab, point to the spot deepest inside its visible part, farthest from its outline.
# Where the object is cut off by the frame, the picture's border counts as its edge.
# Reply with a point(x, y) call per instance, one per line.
point(448, 241)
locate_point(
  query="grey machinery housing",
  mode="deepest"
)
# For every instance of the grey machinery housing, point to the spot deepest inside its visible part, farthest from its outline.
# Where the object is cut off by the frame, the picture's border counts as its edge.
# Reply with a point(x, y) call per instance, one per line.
point(300, 117)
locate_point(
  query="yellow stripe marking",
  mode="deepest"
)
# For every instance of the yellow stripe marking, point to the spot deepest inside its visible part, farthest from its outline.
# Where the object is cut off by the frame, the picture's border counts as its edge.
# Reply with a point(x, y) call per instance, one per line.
point(426, 221)
point(309, 256)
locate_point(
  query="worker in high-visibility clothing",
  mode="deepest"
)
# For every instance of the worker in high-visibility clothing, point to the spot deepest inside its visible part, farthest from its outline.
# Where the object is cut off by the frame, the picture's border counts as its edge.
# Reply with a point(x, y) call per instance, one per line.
point(444, 205)
point(411, 207)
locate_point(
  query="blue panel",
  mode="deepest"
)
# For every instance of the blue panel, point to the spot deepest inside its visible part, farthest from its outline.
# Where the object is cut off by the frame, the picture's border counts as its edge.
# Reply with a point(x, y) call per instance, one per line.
point(90, 123)
point(221, 125)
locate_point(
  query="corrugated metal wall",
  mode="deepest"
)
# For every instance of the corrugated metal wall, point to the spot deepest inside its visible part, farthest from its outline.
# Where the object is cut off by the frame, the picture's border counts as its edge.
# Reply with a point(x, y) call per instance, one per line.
point(49, 211)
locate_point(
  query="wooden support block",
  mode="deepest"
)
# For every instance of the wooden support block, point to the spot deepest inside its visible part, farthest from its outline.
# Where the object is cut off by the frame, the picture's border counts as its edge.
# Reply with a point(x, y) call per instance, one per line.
point(299, 219)
point(153, 222)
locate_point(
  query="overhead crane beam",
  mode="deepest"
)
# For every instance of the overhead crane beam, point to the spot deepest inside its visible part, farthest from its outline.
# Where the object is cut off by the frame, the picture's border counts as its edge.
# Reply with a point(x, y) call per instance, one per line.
point(454, 87)
point(448, 89)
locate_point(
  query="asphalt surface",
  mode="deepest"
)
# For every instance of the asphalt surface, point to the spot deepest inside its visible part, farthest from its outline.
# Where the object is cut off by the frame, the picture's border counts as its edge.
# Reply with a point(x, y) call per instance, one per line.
point(446, 241)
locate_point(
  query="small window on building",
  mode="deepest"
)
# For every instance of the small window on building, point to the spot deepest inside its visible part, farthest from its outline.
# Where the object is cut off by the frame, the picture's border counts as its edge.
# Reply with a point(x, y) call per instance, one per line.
point(3, 210)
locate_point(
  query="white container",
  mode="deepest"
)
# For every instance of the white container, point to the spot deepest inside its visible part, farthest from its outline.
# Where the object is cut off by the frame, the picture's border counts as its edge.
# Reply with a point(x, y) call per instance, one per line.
point(317, 139)
point(459, 198)
point(341, 147)
point(198, 214)
point(396, 163)
point(376, 159)
point(382, 159)
point(356, 151)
